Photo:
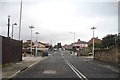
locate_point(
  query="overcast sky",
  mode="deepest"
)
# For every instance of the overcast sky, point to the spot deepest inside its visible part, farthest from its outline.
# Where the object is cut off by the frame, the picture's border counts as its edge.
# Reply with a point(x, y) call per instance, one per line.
point(55, 19)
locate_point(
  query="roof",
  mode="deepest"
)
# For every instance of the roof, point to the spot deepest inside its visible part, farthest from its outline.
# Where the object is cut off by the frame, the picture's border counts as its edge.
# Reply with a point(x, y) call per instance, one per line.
point(95, 39)
point(81, 42)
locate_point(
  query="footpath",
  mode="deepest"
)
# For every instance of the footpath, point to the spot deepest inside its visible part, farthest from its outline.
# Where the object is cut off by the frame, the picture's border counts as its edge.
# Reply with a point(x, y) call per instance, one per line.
point(10, 70)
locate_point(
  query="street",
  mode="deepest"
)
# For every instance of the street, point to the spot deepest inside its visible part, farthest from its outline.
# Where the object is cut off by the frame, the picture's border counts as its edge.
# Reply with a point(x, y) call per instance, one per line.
point(61, 64)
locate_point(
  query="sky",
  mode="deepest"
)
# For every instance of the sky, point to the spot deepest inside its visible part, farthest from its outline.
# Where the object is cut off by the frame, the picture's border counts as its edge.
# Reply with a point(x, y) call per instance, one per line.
point(55, 19)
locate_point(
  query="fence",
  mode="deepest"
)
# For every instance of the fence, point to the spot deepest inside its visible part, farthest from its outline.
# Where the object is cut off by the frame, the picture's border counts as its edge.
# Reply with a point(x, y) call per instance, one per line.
point(11, 50)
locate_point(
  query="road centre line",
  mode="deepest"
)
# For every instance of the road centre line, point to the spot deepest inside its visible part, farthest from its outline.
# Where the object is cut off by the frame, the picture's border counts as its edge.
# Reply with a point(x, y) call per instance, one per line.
point(78, 73)
point(74, 70)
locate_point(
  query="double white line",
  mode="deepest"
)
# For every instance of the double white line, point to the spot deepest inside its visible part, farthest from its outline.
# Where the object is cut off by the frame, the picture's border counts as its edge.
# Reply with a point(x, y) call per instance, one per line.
point(78, 73)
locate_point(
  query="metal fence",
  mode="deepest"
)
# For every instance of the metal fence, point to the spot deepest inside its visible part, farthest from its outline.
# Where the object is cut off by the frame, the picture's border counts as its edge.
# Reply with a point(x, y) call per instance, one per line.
point(11, 50)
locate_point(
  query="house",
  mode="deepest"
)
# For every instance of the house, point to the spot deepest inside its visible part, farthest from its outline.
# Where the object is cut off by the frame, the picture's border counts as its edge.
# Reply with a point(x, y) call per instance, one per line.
point(80, 44)
point(77, 45)
point(67, 46)
point(96, 40)
point(41, 45)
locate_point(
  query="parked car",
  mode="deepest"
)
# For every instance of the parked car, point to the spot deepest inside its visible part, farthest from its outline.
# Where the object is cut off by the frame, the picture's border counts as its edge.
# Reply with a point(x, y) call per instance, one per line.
point(55, 49)
point(45, 52)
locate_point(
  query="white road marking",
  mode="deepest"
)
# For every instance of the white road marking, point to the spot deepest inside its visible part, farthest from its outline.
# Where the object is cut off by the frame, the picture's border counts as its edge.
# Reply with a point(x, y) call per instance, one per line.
point(15, 74)
point(74, 70)
point(62, 55)
point(78, 73)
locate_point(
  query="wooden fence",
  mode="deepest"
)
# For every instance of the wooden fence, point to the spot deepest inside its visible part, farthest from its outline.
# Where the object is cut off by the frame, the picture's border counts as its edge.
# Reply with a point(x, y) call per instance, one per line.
point(11, 50)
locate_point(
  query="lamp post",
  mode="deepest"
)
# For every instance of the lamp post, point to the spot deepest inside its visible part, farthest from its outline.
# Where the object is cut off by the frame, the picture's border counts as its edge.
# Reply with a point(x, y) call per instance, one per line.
point(93, 28)
point(74, 40)
point(74, 35)
point(12, 28)
point(36, 42)
point(20, 21)
point(8, 26)
point(31, 27)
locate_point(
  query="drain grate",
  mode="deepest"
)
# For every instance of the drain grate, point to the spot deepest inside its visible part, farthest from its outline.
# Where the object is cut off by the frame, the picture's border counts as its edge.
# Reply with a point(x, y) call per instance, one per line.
point(49, 72)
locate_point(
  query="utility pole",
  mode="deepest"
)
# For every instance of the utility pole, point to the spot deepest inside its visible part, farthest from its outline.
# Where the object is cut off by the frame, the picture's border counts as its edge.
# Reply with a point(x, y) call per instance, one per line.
point(12, 28)
point(31, 27)
point(8, 26)
point(36, 42)
point(74, 42)
point(93, 28)
point(20, 19)
point(74, 35)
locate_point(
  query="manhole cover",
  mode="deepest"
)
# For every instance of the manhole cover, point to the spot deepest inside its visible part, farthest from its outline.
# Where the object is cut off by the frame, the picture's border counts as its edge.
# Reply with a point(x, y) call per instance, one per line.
point(49, 72)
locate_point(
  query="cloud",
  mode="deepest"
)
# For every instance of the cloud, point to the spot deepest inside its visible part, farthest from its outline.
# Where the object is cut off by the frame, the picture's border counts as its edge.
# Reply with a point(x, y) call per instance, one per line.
point(55, 19)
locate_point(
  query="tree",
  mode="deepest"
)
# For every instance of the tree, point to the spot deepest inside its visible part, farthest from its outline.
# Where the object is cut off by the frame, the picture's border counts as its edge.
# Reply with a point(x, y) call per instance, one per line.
point(118, 40)
point(55, 46)
point(109, 40)
point(96, 45)
point(51, 47)
point(59, 45)
point(25, 45)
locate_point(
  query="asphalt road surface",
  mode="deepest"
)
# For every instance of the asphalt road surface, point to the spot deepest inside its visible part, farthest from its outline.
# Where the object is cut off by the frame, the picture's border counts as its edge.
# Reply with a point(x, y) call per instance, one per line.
point(61, 64)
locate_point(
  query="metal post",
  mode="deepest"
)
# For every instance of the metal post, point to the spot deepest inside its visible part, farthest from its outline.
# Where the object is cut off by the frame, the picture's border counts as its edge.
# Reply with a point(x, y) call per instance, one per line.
point(12, 31)
point(12, 28)
point(31, 27)
point(74, 38)
point(93, 40)
point(31, 41)
point(74, 35)
point(20, 20)
point(36, 42)
point(8, 26)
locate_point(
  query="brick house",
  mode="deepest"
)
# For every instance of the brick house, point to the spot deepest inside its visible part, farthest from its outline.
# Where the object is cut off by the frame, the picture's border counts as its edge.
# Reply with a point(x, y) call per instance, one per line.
point(96, 40)
point(80, 44)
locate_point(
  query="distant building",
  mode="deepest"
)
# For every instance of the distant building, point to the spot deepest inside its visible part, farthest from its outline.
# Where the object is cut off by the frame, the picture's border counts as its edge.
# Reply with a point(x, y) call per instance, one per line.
point(96, 40)
point(41, 45)
point(67, 46)
point(80, 44)
point(77, 45)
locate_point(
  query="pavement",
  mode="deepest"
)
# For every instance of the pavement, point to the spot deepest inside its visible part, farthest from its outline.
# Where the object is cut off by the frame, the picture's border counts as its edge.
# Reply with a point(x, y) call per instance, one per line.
point(10, 70)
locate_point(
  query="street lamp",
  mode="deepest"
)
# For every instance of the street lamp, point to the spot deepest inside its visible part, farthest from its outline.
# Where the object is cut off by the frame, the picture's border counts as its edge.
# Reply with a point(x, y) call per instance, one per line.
point(74, 35)
point(8, 26)
point(36, 41)
point(31, 27)
point(93, 40)
point(20, 21)
point(74, 39)
point(12, 28)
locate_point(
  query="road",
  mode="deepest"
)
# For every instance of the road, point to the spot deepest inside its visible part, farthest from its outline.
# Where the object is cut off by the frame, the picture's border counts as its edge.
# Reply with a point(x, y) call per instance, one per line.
point(61, 64)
